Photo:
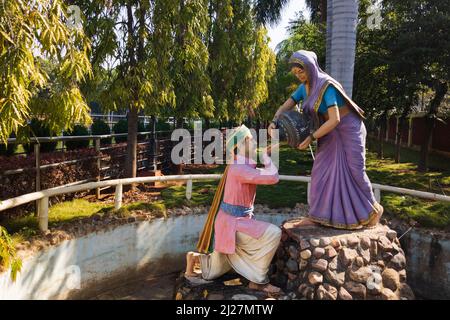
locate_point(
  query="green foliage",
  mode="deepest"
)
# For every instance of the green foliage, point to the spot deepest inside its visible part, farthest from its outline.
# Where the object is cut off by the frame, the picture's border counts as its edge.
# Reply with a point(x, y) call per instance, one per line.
point(269, 11)
point(121, 126)
point(407, 56)
point(100, 127)
point(42, 62)
point(161, 125)
point(39, 128)
point(241, 63)
point(190, 60)
point(8, 255)
point(78, 130)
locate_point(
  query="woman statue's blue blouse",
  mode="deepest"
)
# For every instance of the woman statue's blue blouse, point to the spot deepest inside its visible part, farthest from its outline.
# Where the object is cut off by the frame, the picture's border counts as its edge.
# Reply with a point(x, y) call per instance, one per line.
point(331, 97)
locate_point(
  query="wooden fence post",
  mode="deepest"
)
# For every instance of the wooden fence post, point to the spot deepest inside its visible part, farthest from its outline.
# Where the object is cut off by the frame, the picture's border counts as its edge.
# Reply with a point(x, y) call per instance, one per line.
point(189, 189)
point(43, 214)
point(118, 197)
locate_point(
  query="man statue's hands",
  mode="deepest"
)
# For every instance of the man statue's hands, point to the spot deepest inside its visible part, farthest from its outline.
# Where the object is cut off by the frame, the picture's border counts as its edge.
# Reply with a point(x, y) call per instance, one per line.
point(268, 150)
point(304, 144)
point(270, 128)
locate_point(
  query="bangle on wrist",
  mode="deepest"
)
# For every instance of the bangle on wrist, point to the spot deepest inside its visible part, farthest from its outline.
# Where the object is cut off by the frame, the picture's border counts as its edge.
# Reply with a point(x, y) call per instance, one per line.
point(311, 135)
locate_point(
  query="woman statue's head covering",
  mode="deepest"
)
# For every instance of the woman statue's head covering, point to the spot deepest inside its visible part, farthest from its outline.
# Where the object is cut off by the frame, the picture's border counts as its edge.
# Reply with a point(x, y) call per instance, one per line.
point(206, 241)
point(318, 81)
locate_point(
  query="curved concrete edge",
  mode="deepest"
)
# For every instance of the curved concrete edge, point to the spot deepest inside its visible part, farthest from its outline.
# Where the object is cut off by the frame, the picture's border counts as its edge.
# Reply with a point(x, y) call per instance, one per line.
point(427, 264)
point(84, 264)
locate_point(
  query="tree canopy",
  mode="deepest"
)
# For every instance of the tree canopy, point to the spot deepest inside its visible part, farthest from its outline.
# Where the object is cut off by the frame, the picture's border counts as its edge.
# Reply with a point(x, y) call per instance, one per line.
point(42, 63)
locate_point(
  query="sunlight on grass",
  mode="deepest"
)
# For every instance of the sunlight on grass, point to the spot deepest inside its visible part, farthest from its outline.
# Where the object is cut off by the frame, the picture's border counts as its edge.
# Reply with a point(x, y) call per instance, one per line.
point(61, 212)
point(156, 207)
point(77, 208)
point(432, 214)
point(202, 194)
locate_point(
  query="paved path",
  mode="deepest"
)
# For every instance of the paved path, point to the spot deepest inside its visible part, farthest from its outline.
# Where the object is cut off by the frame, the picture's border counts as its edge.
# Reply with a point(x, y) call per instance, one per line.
point(147, 288)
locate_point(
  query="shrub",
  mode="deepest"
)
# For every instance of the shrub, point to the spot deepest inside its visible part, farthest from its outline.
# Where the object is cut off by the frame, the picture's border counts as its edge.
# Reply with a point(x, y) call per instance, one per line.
point(78, 130)
point(8, 255)
point(161, 125)
point(122, 127)
point(100, 127)
point(39, 129)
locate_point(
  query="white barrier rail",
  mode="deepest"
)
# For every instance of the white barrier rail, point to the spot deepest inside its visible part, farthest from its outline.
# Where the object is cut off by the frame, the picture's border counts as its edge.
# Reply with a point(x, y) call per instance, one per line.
point(42, 197)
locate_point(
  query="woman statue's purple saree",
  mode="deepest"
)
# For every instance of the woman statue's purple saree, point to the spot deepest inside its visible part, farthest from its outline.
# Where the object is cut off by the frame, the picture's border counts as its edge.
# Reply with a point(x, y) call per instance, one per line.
point(341, 194)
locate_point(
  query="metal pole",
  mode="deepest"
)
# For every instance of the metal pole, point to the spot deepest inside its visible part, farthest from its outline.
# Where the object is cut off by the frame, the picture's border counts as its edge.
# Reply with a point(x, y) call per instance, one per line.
point(97, 148)
point(37, 157)
point(154, 146)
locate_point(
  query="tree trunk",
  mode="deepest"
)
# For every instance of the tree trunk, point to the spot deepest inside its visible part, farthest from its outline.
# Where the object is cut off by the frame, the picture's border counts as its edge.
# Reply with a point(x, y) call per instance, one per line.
point(132, 115)
point(430, 122)
point(381, 135)
point(323, 10)
point(401, 125)
point(131, 165)
point(179, 123)
point(398, 139)
point(342, 18)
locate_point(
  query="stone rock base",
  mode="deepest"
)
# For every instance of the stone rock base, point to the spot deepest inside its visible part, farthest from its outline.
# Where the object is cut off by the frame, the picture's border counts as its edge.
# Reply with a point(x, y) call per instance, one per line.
point(323, 263)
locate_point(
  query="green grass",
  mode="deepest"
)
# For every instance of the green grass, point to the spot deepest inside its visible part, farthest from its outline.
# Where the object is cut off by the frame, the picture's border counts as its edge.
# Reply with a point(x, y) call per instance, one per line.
point(427, 213)
point(202, 194)
point(434, 214)
point(158, 208)
point(436, 162)
point(58, 213)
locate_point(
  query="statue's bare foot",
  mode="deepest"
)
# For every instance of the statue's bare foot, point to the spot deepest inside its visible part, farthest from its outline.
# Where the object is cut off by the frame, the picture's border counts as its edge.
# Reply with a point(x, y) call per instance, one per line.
point(304, 222)
point(191, 258)
point(377, 217)
point(268, 288)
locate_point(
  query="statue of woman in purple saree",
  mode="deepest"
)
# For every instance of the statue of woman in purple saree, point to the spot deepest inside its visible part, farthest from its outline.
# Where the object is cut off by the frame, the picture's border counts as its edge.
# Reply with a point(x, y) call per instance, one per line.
point(341, 194)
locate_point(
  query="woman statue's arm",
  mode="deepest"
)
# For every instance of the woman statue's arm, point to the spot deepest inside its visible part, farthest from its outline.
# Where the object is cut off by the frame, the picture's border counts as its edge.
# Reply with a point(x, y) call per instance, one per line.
point(287, 105)
point(325, 128)
point(330, 124)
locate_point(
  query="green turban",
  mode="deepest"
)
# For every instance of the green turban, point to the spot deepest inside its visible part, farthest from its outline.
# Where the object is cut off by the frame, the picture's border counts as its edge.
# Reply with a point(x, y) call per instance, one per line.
point(236, 137)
